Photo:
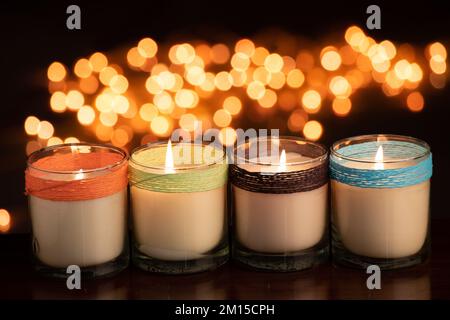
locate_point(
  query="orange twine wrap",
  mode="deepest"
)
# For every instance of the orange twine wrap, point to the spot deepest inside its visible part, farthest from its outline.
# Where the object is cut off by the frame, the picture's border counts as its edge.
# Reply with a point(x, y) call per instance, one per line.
point(107, 181)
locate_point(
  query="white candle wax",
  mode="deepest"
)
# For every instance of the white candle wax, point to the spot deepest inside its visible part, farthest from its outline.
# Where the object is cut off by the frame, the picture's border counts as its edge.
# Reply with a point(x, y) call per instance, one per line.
point(178, 226)
point(83, 233)
point(279, 223)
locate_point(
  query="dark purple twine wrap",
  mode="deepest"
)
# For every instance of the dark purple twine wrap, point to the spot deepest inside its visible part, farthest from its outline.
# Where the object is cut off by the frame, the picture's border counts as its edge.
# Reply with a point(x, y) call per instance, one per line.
point(281, 182)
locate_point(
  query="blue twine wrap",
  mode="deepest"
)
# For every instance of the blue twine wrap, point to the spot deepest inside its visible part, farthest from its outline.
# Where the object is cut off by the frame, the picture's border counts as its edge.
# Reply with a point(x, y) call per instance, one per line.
point(381, 178)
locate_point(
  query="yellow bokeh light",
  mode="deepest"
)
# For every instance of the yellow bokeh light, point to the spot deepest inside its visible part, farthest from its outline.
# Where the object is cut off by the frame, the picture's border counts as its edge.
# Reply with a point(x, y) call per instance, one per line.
point(256, 90)
point(437, 49)
point(312, 130)
point(5, 220)
point(351, 32)
point(208, 85)
point(98, 61)
point(32, 125)
point(53, 141)
point(269, 99)
point(415, 101)
point(437, 65)
point(223, 81)
point(393, 81)
point(227, 136)
point(222, 118)
point(188, 122)
point(295, 78)
point(120, 137)
point(56, 72)
point(160, 126)
point(245, 46)
point(185, 53)
point(330, 59)
point(220, 53)
point(83, 68)
point(164, 102)
point(46, 130)
point(289, 64)
point(89, 85)
point(311, 101)
point(118, 84)
point(147, 48)
point(340, 87)
point(148, 112)
point(74, 100)
point(274, 62)
point(262, 75)
point(86, 115)
point(389, 48)
point(240, 61)
point(238, 77)
point(58, 101)
point(403, 69)
point(154, 85)
point(195, 75)
point(120, 104)
point(342, 106)
point(277, 80)
point(204, 51)
point(103, 133)
point(71, 140)
point(416, 73)
point(233, 105)
point(186, 98)
point(106, 74)
point(108, 119)
point(259, 56)
point(134, 59)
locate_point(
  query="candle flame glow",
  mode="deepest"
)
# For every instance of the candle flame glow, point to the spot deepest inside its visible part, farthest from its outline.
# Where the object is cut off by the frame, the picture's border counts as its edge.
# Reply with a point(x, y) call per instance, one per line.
point(168, 167)
point(379, 165)
point(79, 175)
point(282, 163)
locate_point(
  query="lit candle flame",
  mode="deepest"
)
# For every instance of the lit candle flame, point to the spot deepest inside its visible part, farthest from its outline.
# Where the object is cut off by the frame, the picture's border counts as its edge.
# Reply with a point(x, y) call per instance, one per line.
point(79, 175)
point(282, 163)
point(168, 168)
point(379, 165)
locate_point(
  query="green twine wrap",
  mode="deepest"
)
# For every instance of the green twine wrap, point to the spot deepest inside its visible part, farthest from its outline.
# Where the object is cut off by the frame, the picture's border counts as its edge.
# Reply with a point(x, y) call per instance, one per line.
point(197, 168)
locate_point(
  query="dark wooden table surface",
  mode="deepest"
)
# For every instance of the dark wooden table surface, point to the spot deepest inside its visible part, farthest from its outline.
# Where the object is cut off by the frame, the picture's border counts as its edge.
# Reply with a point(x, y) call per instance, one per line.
point(428, 281)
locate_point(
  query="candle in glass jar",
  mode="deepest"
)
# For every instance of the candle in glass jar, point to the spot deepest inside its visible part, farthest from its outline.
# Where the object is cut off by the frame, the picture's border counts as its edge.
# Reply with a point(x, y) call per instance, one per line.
point(178, 206)
point(77, 199)
point(380, 196)
point(280, 202)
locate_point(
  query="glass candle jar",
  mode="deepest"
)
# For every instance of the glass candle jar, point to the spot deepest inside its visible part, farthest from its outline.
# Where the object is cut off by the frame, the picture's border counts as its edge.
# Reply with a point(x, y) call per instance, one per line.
point(178, 198)
point(77, 201)
point(380, 201)
point(280, 205)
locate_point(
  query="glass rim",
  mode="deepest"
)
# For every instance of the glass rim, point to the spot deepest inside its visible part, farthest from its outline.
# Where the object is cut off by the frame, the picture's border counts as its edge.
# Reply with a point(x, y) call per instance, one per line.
point(334, 149)
point(158, 144)
point(34, 156)
point(299, 140)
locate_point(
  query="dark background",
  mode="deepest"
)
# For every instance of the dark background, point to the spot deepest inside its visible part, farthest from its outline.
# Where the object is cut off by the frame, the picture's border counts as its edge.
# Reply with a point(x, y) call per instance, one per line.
point(33, 34)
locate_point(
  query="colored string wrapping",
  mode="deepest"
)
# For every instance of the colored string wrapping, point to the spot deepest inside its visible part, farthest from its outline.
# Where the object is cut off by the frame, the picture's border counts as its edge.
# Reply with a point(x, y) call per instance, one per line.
point(208, 174)
point(342, 171)
point(66, 186)
point(280, 182)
